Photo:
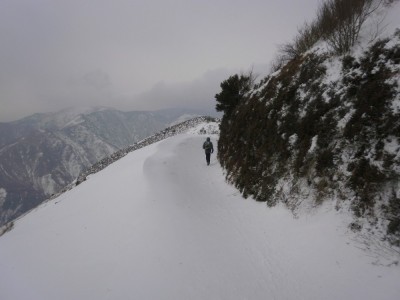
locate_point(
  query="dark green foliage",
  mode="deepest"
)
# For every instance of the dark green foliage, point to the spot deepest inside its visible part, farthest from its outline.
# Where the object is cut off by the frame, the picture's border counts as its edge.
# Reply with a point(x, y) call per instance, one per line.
point(297, 126)
point(372, 122)
point(393, 212)
point(371, 93)
point(364, 175)
point(324, 162)
point(233, 91)
point(355, 227)
point(348, 63)
point(254, 144)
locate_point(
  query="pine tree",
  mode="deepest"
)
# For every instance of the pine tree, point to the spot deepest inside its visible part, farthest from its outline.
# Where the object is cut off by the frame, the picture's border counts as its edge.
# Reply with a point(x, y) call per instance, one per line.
point(233, 91)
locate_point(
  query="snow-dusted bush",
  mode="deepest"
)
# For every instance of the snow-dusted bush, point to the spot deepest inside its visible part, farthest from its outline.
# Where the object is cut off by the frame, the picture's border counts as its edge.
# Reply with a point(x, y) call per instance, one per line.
point(232, 92)
point(322, 128)
point(338, 22)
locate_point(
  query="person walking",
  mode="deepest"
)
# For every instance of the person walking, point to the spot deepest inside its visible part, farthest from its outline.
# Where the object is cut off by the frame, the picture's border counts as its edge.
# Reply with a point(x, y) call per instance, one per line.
point(208, 148)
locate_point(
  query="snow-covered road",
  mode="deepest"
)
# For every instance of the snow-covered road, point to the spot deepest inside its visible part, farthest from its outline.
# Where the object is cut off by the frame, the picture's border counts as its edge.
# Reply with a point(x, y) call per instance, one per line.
point(160, 224)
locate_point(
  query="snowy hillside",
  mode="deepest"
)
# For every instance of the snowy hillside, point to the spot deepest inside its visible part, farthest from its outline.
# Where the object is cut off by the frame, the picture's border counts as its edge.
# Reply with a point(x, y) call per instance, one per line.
point(160, 224)
point(325, 125)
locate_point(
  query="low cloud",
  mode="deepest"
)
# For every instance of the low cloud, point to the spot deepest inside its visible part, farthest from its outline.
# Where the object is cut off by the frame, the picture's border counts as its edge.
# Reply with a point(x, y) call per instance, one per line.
point(197, 94)
point(58, 54)
point(96, 89)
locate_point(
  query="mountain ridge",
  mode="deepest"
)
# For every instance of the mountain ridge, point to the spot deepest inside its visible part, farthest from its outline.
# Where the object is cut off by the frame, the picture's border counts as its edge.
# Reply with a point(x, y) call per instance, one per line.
point(41, 154)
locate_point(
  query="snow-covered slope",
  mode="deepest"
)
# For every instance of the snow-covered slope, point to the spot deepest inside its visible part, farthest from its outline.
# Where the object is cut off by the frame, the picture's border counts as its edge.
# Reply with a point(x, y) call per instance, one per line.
point(160, 224)
point(41, 154)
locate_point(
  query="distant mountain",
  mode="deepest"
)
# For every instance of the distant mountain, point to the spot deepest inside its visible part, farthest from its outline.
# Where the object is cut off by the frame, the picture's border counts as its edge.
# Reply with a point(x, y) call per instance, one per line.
point(42, 153)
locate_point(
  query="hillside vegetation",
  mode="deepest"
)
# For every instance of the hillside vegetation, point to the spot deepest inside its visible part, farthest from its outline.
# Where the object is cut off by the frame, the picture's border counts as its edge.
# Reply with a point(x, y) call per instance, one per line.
point(325, 126)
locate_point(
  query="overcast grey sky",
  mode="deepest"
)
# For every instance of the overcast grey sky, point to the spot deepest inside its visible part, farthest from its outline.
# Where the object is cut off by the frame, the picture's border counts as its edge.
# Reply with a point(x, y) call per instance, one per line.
point(135, 54)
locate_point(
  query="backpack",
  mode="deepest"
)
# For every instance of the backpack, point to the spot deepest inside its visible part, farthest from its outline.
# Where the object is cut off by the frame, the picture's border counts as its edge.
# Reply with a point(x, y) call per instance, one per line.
point(207, 145)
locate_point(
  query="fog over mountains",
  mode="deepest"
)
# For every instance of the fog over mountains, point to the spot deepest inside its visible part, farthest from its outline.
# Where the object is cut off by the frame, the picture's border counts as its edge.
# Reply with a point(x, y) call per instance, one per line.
point(42, 153)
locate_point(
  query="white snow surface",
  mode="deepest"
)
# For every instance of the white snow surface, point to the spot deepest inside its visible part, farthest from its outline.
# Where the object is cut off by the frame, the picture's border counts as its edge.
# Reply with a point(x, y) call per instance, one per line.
point(161, 224)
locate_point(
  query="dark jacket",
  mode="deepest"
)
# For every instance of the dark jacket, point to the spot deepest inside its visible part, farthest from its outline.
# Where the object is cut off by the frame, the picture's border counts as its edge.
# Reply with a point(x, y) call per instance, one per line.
point(208, 146)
